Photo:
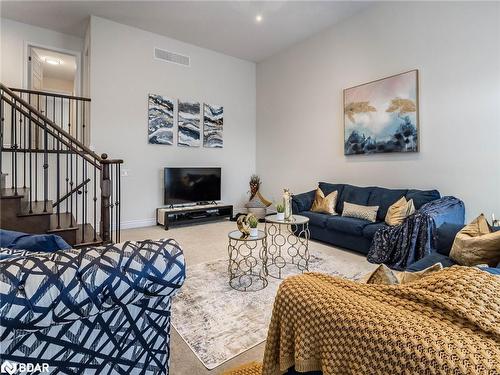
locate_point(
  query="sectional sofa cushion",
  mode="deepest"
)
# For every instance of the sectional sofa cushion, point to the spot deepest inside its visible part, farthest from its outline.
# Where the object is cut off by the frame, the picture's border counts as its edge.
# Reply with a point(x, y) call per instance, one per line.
point(384, 198)
point(444, 237)
point(32, 242)
point(303, 202)
point(370, 230)
point(315, 218)
point(377, 196)
point(353, 194)
point(421, 197)
point(349, 225)
point(327, 187)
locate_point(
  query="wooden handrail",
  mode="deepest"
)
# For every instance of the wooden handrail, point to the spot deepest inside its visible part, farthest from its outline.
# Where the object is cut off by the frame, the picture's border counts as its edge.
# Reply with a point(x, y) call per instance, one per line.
point(37, 92)
point(105, 160)
point(70, 193)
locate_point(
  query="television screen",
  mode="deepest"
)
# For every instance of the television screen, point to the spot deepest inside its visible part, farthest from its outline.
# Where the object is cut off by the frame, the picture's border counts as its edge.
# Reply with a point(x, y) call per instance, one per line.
point(191, 185)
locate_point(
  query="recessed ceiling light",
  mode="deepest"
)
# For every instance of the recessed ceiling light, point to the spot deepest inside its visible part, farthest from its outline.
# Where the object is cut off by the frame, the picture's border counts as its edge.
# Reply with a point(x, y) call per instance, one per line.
point(52, 61)
point(258, 18)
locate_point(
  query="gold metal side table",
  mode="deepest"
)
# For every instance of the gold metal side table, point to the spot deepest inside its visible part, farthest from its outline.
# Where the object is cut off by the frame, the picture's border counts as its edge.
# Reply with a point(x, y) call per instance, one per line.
point(288, 244)
point(247, 261)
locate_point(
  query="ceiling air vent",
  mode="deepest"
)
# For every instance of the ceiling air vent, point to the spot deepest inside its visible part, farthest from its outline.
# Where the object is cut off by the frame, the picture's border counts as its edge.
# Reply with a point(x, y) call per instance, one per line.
point(172, 57)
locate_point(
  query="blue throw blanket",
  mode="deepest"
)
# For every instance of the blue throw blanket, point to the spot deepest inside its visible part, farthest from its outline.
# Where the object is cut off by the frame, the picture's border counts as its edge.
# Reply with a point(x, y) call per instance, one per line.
point(399, 246)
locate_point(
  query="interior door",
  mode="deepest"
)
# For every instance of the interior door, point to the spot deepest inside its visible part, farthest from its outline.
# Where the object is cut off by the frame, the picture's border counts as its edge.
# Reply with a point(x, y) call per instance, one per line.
point(36, 70)
point(35, 66)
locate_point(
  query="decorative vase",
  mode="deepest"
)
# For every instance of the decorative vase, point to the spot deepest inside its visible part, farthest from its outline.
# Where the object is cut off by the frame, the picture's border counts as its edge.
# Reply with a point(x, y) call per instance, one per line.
point(254, 232)
point(287, 202)
point(280, 216)
point(243, 226)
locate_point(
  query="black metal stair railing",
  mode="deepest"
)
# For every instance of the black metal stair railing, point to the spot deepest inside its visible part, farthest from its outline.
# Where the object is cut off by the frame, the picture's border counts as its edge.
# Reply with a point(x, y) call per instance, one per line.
point(68, 112)
point(45, 151)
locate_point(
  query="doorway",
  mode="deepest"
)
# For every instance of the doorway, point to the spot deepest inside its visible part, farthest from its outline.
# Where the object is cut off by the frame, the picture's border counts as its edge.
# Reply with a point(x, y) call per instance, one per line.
point(53, 76)
point(52, 71)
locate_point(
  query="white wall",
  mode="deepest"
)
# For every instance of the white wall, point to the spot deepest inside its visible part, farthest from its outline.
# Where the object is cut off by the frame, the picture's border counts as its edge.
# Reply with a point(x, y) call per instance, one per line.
point(123, 73)
point(58, 85)
point(456, 47)
point(15, 36)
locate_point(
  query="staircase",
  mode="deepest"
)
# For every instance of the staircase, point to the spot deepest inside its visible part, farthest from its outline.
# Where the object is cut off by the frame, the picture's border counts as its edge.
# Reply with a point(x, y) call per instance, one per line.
point(51, 181)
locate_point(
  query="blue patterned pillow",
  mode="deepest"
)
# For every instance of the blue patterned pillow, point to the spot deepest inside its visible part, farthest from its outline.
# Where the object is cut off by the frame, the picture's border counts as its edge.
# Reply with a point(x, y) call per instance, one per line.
point(32, 242)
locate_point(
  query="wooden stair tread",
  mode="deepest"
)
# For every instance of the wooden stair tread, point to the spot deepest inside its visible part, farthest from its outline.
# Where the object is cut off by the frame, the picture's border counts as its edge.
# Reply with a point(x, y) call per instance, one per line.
point(82, 233)
point(9, 193)
point(66, 222)
point(87, 237)
point(36, 207)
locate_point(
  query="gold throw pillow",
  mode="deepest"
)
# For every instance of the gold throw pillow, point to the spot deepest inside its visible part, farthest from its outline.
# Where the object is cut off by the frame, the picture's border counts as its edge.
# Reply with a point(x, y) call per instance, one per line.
point(325, 205)
point(408, 277)
point(476, 244)
point(381, 275)
point(399, 211)
point(358, 211)
point(384, 275)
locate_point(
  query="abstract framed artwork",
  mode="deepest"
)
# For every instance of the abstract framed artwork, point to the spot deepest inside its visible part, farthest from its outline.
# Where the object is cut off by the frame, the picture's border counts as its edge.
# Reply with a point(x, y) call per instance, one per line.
point(189, 124)
point(213, 121)
point(382, 116)
point(160, 120)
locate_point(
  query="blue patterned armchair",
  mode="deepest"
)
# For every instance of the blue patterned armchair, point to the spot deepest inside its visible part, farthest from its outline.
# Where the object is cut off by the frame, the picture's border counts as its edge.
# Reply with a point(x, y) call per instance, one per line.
point(99, 310)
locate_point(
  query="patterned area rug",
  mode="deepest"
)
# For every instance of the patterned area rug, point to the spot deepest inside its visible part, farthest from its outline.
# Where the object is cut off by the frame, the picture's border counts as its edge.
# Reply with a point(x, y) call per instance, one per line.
point(218, 322)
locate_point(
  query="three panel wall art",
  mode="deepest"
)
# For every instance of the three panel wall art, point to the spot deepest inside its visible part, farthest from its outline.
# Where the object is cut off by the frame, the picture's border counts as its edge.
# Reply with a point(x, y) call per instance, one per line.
point(213, 119)
point(382, 116)
point(160, 120)
point(190, 121)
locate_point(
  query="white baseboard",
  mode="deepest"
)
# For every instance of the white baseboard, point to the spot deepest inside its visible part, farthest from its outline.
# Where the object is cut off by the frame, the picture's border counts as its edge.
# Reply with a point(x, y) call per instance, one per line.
point(138, 223)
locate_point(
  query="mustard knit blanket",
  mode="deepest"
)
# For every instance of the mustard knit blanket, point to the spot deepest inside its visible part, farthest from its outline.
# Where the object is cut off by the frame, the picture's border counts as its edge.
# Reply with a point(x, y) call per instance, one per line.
point(446, 323)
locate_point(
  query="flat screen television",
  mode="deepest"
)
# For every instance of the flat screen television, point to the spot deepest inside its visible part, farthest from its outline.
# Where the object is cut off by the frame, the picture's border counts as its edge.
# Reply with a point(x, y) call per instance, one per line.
point(191, 185)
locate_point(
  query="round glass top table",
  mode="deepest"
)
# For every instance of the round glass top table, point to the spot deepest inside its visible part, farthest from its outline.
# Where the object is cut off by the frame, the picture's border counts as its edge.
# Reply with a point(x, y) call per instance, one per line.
point(237, 235)
point(247, 261)
point(295, 219)
point(288, 245)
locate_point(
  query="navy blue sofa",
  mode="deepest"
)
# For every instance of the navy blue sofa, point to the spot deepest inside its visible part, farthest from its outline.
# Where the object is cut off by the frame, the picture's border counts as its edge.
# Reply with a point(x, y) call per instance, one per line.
point(443, 241)
point(357, 234)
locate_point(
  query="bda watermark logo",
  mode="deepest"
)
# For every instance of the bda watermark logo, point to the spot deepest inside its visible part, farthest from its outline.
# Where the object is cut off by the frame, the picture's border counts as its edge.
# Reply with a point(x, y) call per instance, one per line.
point(8, 368)
point(12, 368)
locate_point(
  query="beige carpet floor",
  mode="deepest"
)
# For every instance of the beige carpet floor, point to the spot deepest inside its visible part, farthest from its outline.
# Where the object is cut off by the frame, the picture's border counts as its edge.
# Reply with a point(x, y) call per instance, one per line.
point(202, 243)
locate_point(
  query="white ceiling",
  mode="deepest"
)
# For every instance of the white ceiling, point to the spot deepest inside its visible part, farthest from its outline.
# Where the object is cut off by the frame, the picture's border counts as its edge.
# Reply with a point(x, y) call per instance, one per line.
point(65, 71)
point(225, 26)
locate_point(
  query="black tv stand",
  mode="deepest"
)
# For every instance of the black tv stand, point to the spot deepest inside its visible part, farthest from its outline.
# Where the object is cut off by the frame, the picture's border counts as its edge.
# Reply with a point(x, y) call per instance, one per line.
point(170, 216)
